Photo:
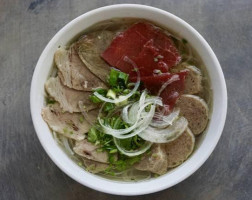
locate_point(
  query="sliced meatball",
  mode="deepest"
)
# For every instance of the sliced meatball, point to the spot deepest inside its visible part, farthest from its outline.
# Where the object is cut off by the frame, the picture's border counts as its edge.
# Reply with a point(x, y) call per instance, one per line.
point(195, 110)
point(73, 73)
point(89, 151)
point(193, 80)
point(71, 125)
point(180, 149)
point(155, 162)
point(68, 98)
point(90, 47)
point(93, 166)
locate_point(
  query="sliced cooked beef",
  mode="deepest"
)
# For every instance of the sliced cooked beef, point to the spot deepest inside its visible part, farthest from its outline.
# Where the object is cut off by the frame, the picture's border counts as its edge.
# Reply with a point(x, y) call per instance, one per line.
point(68, 98)
point(90, 47)
point(156, 162)
point(73, 72)
point(93, 166)
point(89, 151)
point(180, 149)
point(71, 125)
point(195, 110)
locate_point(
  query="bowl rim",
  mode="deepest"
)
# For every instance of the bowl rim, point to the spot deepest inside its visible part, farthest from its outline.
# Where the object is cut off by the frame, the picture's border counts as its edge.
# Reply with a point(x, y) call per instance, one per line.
point(119, 185)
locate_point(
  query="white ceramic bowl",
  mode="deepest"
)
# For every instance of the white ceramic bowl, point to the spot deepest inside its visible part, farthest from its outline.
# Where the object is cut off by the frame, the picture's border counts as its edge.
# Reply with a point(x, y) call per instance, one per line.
point(170, 21)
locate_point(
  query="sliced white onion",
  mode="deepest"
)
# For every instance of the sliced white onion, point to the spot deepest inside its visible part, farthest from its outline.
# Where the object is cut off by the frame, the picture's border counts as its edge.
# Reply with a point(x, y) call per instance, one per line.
point(175, 77)
point(163, 121)
point(133, 112)
point(66, 145)
point(139, 121)
point(141, 127)
point(125, 114)
point(165, 135)
point(137, 152)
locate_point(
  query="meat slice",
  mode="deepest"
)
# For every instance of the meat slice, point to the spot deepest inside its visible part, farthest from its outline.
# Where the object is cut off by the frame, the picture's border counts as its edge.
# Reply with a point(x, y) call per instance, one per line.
point(180, 149)
point(89, 151)
point(195, 110)
point(90, 47)
point(173, 90)
point(166, 85)
point(68, 98)
point(71, 125)
point(193, 80)
point(156, 162)
point(148, 46)
point(93, 166)
point(73, 73)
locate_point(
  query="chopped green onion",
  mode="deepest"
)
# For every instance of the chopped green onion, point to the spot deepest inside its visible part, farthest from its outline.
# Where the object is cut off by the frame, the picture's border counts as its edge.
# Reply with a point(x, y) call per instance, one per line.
point(111, 94)
point(81, 119)
point(112, 158)
point(113, 151)
point(49, 100)
point(130, 85)
point(126, 91)
point(95, 99)
point(124, 77)
point(108, 107)
point(113, 76)
point(122, 102)
point(101, 91)
point(92, 135)
point(99, 150)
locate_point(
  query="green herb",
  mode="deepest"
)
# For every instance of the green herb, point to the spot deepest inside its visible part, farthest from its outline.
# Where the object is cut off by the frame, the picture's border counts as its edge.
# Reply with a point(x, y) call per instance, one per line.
point(132, 143)
point(108, 107)
point(135, 96)
point(112, 158)
point(95, 99)
point(113, 76)
point(113, 151)
point(92, 135)
point(101, 91)
point(118, 80)
point(123, 78)
point(49, 100)
point(111, 94)
point(81, 119)
point(126, 91)
point(71, 132)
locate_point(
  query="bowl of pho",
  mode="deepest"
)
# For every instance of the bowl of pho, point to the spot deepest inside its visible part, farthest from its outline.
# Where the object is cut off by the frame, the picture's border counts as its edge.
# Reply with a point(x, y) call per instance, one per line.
point(128, 99)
